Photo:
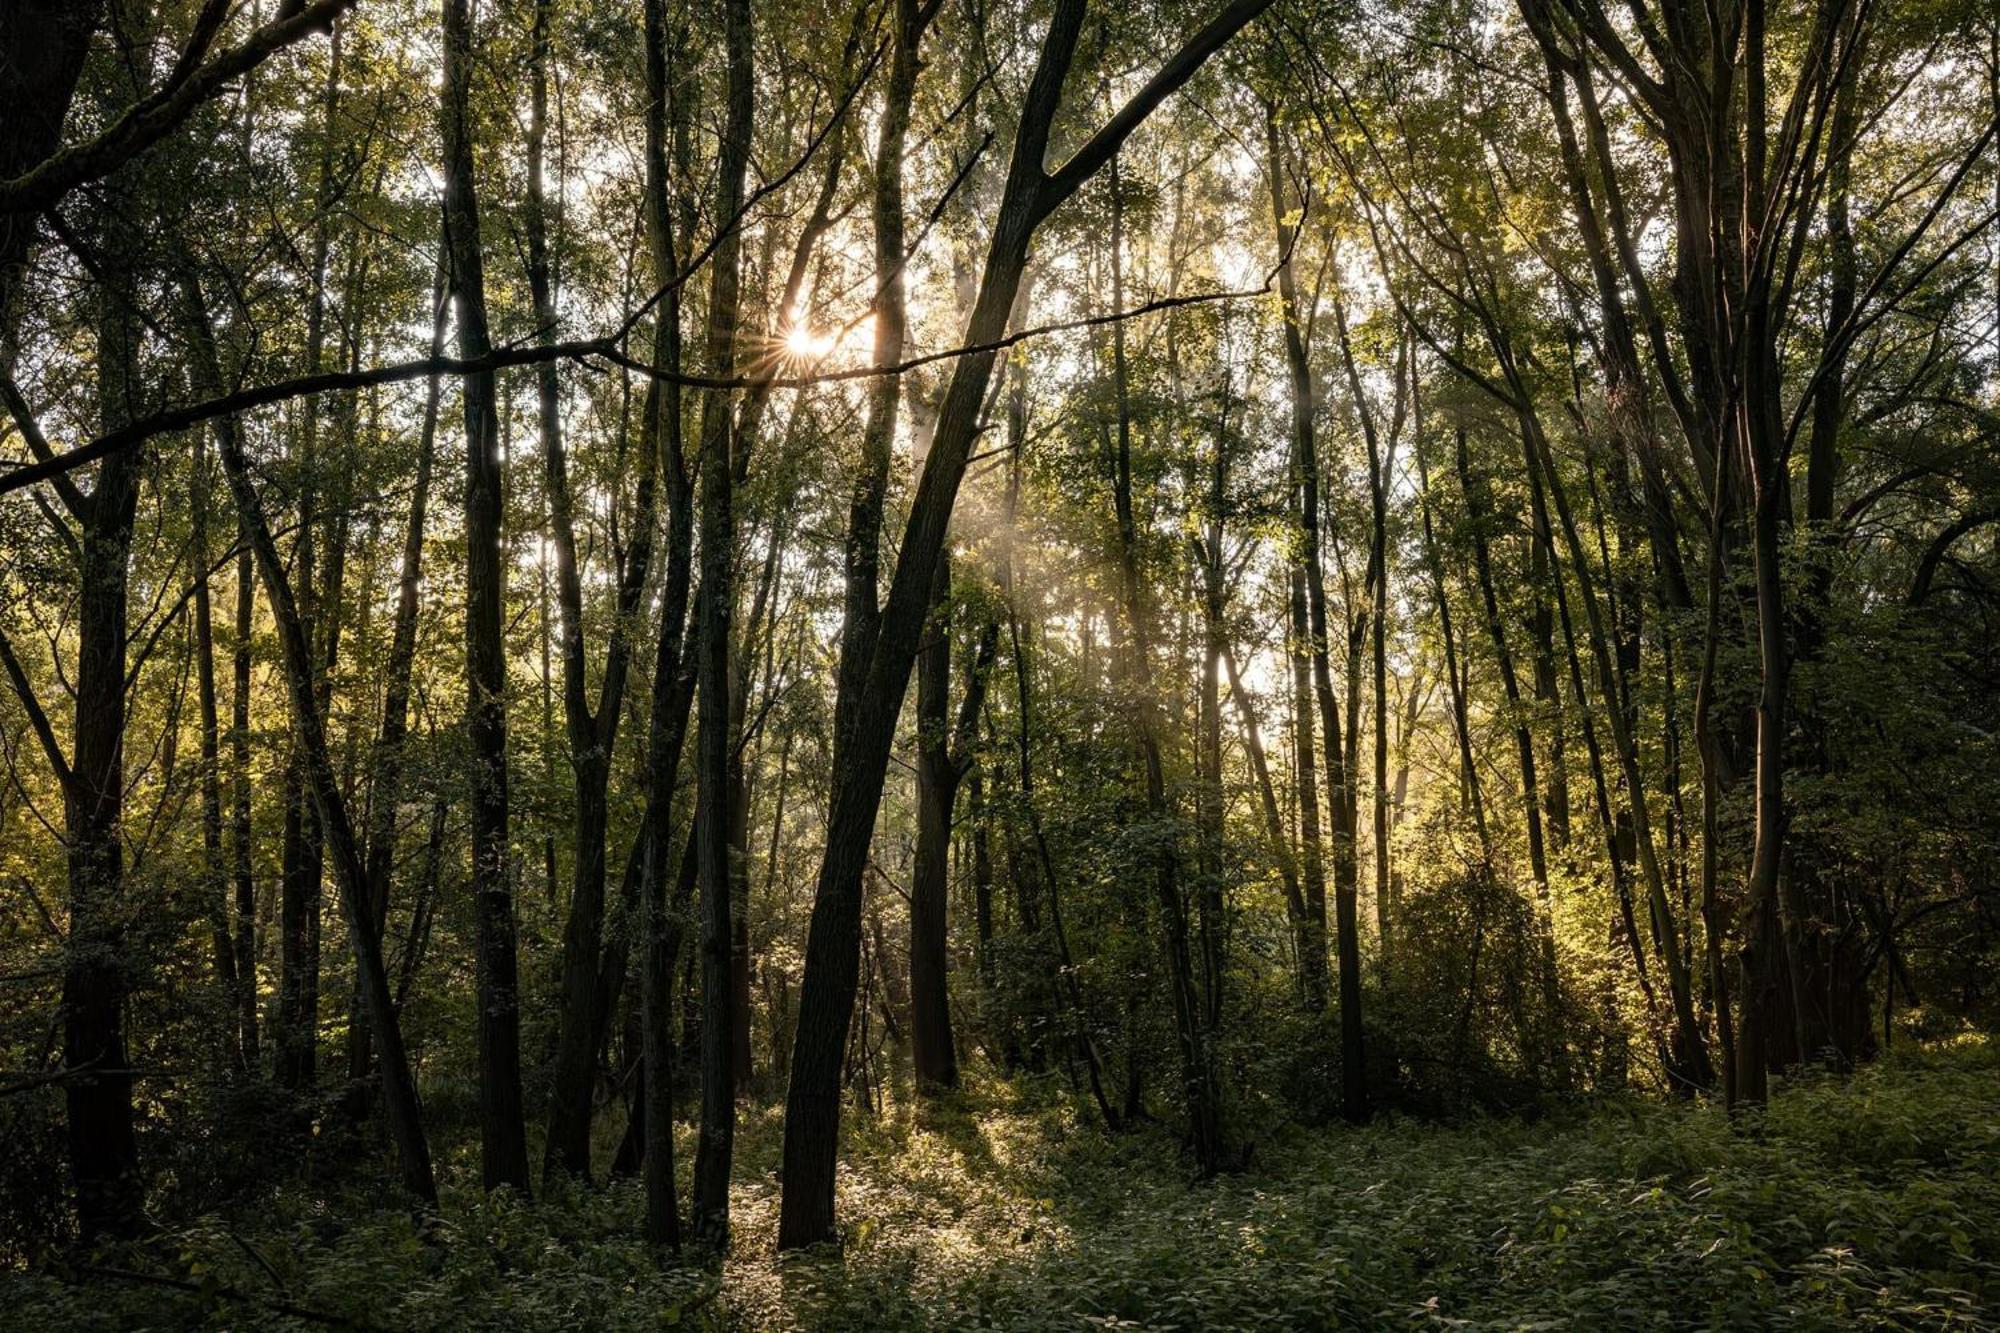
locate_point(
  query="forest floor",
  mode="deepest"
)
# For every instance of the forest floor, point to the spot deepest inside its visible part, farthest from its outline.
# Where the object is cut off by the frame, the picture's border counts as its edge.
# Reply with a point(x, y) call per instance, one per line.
point(1869, 1201)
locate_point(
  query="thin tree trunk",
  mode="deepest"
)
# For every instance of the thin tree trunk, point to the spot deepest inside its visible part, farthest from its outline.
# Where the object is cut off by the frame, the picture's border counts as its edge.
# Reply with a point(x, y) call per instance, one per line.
point(934, 1056)
point(303, 859)
point(1306, 647)
point(662, 923)
point(741, 763)
point(350, 873)
point(1214, 645)
point(1381, 464)
point(1136, 673)
point(1340, 801)
point(240, 801)
point(1707, 746)
point(718, 545)
point(385, 788)
point(214, 873)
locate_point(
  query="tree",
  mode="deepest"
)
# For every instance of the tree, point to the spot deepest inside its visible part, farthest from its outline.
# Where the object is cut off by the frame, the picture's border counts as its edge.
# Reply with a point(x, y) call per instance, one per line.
point(503, 1143)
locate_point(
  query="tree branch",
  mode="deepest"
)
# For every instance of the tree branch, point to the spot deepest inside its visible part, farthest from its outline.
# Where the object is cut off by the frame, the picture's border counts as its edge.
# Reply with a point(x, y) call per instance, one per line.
point(1102, 145)
point(580, 350)
point(152, 118)
point(37, 719)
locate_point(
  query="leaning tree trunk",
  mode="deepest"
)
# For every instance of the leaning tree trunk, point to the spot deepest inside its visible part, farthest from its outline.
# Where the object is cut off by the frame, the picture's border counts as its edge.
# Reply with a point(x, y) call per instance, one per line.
point(399, 1089)
point(832, 969)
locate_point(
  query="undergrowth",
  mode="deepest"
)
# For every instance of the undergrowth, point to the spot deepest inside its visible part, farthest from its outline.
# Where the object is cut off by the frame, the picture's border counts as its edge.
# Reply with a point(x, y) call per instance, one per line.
point(1871, 1201)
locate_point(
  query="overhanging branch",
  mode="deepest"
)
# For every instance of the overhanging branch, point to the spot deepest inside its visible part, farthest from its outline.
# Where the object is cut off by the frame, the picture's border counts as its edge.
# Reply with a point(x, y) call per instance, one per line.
point(578, 350)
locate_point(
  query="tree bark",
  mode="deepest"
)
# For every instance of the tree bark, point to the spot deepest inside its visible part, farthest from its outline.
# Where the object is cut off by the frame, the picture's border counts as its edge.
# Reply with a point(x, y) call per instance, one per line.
point(399, 1089)
point(503, 1142)
point(832, 971)
point(1305, 648)
point(214, 877)
point(663, 923)
point(104, 1157)
point(714, 642)
point(385, 787)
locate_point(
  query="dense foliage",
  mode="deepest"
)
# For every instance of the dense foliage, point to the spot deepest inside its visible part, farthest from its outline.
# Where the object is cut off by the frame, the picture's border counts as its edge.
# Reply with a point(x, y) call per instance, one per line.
point(640, 633)
point(1870, 1203)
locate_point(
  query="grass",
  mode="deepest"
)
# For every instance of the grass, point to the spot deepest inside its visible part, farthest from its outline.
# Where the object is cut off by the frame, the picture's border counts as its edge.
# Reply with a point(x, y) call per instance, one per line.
point(1871, 1201)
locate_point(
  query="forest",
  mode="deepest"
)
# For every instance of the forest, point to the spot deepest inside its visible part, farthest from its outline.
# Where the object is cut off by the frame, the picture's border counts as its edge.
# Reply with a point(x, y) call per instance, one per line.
point(1031, 664)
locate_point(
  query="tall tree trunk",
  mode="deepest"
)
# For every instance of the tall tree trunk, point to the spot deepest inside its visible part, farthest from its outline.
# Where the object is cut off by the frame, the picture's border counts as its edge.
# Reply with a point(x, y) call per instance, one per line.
point(214, 872)
point(1340, 800)
point(240, 834)
point(592, 729)
point(104, 1156)
point(866, 732)
point(399, 1089)
point(303, 859)
point(503, 1141)
point(1832, 1011)
point(1708, 747)
point(741, 763)
point(718, 549)
point(1135, 672)
point(668, 117)
point(385, 787)
point(1306, 647)
point(1214, 603)
point(1381, 465)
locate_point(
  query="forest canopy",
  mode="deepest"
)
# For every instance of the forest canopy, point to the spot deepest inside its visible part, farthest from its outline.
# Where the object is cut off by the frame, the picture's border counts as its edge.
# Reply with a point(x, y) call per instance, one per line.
point(672, 628)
